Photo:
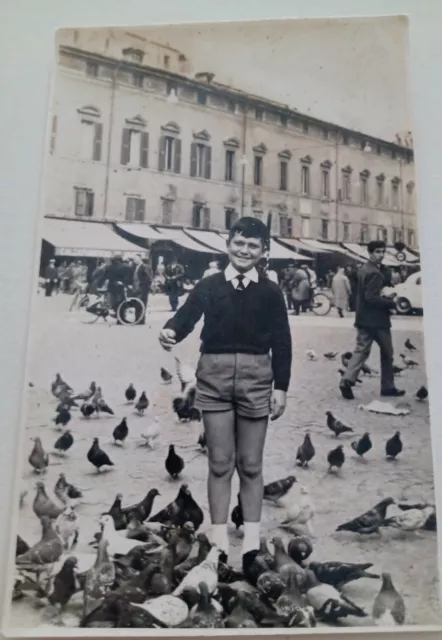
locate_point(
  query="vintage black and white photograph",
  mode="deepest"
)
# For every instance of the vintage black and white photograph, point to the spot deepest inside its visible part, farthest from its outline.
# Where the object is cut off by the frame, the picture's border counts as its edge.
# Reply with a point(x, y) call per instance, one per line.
point(226, 415)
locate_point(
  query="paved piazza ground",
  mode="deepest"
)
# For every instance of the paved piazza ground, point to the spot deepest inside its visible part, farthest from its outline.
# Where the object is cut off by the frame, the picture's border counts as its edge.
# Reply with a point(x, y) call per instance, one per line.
point(115, 356)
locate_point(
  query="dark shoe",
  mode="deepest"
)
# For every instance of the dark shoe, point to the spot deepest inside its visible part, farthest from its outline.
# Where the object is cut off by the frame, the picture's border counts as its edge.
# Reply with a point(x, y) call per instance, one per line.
point(248, 559)
point(393, 393)
point(346, 390)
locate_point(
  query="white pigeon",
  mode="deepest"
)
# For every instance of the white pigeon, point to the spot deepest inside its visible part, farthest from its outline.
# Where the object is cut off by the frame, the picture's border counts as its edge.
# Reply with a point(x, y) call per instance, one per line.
point(311, 355)
point(117, 543)
point(301, 512)
point(409, 520)
point(67, 527)
point(206, 571)
point(186, 375)
point(152, 433)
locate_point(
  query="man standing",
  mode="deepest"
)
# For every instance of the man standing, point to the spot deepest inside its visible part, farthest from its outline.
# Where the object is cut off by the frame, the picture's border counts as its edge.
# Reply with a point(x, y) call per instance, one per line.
point(341, 290)
point(372, 324)
point(174, 282)
point(142, 281)
point(51, 278)
point(213, 268)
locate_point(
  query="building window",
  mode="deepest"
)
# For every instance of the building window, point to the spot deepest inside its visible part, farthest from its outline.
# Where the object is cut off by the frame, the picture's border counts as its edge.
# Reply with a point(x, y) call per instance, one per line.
point(166, 62)
point(137, 80)
point(231, 106)
point(200, 216)
point(397, 236)
point(200, 160)
point(135, 209)
point(259, 113)
point(395, 195)
point(382, 234)
point(84, 203)
point(283, 120)
point(380, 193)
point(135, 148)
point(364, 190)
point(169, 157)
point(167, 212)
point(324, 229)
point(410, 237)
point(230, 218)
point(346, 234)
point(409, 205)
point(91, 140)
point(325, 133)
point(325, 183)
point(305, 127)
point(171, 86)
point(364, 237)
point(257, 170)
point(285, 226)
point(346, 186)
point(201, 97)
point(53, 135)
point(283, 175)
point(305, 227)
point(92, 69)
point(305, 180)
point(230, 166)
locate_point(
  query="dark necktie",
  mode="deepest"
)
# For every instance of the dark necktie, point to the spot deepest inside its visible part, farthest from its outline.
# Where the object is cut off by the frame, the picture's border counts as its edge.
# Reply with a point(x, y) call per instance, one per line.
point(240, 286)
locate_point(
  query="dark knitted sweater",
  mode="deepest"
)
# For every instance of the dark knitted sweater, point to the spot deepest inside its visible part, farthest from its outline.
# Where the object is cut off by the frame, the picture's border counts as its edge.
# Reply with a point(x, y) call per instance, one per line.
point(251, 321)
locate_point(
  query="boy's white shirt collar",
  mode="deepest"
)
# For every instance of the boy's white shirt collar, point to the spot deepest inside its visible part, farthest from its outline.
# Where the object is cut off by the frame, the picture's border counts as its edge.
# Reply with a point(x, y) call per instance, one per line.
point(231, 273)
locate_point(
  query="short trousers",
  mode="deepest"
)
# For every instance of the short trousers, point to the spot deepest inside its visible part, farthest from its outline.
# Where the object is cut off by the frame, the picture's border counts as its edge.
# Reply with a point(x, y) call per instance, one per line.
point(238, 381)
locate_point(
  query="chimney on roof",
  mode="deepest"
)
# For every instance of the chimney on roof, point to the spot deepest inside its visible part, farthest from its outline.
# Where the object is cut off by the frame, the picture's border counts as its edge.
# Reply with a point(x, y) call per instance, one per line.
point(204, 76)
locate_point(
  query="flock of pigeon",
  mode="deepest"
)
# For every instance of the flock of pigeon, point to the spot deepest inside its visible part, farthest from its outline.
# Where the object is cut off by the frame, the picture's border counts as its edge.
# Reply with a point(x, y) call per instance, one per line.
point(159, 570)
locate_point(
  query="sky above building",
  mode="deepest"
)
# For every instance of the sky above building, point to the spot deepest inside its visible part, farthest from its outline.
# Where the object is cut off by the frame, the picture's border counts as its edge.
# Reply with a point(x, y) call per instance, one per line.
point(352, 72)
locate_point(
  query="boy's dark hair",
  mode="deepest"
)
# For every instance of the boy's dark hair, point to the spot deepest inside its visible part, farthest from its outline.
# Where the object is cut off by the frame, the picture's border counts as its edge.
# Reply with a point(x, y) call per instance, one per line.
point(251, 228)
point(375, 244)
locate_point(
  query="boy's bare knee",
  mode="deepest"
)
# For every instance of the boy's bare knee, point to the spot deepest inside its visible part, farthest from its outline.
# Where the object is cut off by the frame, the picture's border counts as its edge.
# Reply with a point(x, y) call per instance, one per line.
point(248, 468)
point(222, 466)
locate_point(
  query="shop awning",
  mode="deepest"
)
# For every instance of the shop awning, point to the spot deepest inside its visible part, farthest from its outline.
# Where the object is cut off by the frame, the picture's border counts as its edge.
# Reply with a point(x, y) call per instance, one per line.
point(85, 239)
point(361, 251)
point(329, 247)
point(293, 244)
point(299, 245)
point(279, 252)
point(179, 237)
point(141, 230)
point(209, 238)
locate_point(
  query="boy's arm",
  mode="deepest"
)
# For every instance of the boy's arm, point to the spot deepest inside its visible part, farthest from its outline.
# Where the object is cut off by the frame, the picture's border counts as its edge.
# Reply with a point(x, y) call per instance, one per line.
point(281, 343)
point(372, 292)
point(188, 315)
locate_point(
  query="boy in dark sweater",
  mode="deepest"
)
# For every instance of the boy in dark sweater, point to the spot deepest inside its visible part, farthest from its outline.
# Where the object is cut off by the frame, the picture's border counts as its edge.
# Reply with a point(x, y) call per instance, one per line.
point(238, 383)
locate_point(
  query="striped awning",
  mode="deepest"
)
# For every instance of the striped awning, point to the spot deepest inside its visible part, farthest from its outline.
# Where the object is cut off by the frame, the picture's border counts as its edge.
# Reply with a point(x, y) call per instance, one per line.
point(209, 238)
point(179, 237)
point(361, 250)
point(140, 230)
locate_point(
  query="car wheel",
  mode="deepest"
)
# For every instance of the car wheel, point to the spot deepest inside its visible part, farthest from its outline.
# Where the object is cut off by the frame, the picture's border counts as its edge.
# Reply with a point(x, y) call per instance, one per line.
point(403, 306)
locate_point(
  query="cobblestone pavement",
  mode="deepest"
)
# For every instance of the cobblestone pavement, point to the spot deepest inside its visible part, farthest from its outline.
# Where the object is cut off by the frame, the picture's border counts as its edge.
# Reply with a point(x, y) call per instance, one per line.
point(115, 356)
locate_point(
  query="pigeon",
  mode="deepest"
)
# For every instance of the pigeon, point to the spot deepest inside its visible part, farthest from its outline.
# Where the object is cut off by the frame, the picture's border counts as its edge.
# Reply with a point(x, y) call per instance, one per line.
point(183, 509)
point(130, 393)
point(166, 377)
point(120, 432)
point(66, 491)
point(393, 446)
point(66, 403)
point(205, 614)
point(340, 573)
point(409, 345)
point(64, 584)
point(336, 458)
point(389, 606)
point(202, 442)
point(305, 452)
point(236, 515)
point(370, 521)
point(151, 434)
point(100, 404)
point(422, 393)
point(363, 445)
point(59, 386)
point(174, 463)
point(97, 456)
point(300, 548)
point(63, 417)
point(21, 546)
point(408, 362)
point(301, 512)
point(186, 375)
point(43, 506)
point(184, 408)
point(87, 410)
point(144, 507)
point(142, 403)
point(330, 355)
point(329, 605)
point(46, 551)
point(275, 491)
point(397, 370)
point(311, 355)
point(116, 513)
point(87, 394)
point(67, 527)
point(336, 425)
point(64, 442)
point(206, 572)
point(409, 520)
point(100, 577)
point(38, 457)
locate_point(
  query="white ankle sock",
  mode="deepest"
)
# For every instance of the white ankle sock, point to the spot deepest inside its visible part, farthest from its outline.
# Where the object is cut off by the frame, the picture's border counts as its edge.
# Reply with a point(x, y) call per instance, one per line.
point(219, 537)
point(251, 536)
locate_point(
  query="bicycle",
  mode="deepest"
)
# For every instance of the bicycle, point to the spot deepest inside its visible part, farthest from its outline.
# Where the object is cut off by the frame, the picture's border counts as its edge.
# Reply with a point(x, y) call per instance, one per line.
point(129, 312)
point(320, 304)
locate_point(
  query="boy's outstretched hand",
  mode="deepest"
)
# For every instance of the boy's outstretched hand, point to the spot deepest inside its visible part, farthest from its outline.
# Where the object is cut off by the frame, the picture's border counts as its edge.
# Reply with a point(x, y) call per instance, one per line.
point(167, 338)
point(278, 404)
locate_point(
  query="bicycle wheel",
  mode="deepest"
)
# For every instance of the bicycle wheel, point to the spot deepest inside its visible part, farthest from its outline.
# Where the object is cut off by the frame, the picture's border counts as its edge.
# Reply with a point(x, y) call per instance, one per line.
point(131, 311)
point(96, 310)
point(321, 304)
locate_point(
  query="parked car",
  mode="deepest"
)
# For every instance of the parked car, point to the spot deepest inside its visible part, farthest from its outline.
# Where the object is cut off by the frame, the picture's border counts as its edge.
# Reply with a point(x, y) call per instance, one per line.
point(409, 294)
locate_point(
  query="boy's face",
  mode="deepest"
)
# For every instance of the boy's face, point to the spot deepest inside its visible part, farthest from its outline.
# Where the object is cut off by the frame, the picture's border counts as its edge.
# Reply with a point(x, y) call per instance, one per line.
point(244, 253)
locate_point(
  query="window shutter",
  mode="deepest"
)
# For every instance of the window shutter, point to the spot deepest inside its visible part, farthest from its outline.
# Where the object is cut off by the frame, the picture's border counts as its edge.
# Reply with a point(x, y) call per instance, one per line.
point(53, 134)
point(140, 208)
point(206, 218)
point(193, 158)
point(130, 206)
point(162, 154)
point(144, 150)
point(125, 147)
point(208, 163)
point(98, 137)
point(177, 158)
